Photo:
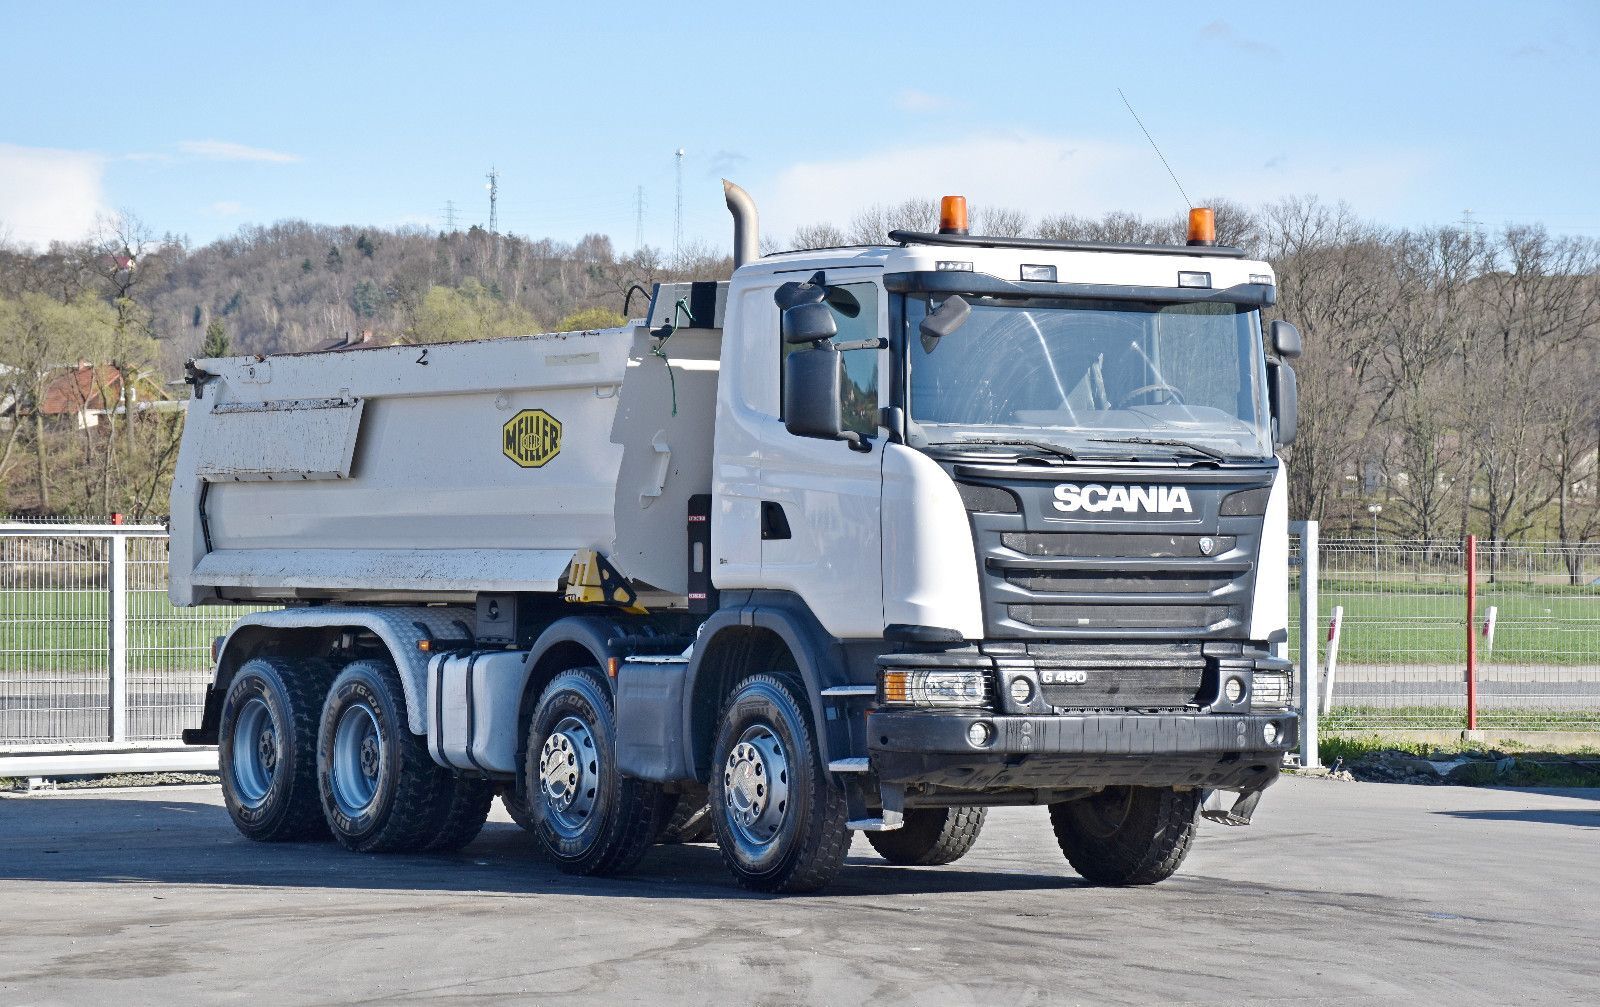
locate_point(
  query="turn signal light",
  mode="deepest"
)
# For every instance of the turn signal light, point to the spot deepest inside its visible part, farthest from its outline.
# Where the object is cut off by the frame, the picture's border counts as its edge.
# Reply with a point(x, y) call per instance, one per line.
point(953, 215)
point(1202, 226)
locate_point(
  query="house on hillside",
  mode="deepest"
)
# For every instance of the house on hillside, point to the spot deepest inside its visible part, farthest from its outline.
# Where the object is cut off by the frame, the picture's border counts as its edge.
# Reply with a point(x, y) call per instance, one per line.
point(82, 395)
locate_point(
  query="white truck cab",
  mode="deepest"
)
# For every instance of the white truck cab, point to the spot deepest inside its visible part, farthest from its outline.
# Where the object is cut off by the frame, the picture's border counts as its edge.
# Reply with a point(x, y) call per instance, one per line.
point(866, 538)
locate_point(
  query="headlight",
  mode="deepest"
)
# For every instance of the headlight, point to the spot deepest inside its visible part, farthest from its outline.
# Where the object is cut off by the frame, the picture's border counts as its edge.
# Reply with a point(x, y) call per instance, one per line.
point(1271, 690)
point(936, 688)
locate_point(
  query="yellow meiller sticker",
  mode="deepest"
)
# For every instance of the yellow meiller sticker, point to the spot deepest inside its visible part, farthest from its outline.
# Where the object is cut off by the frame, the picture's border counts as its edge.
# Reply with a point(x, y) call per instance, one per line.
point(531, 438)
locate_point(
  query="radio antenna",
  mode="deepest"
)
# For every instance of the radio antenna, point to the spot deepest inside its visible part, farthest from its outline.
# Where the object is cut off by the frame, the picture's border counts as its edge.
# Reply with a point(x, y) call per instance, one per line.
point(1153, 147)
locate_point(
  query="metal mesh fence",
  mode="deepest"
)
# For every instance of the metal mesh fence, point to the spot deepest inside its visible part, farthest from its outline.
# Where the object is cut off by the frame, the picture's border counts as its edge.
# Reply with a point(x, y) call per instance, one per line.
point(58, 666)
point(1400, 660)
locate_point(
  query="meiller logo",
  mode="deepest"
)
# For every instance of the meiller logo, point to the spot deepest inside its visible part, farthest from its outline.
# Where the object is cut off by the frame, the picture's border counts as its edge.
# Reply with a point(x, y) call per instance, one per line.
point(1097, 499)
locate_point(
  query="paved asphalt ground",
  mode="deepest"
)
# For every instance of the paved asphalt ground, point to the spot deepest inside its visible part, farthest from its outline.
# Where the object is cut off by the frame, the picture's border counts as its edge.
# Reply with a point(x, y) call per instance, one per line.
point(1341, 893)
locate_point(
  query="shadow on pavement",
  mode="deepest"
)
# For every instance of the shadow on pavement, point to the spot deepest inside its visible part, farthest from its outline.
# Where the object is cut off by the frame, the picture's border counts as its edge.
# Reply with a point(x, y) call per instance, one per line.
point(193, 843)
point(1549, 816)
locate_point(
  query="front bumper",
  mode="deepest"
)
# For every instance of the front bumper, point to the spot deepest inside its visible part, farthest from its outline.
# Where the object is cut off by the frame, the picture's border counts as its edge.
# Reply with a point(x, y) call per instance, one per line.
point(932, 749)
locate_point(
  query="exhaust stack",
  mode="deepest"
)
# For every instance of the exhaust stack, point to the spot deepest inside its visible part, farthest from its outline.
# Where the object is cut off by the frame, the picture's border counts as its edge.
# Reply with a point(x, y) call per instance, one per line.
point(746, 234)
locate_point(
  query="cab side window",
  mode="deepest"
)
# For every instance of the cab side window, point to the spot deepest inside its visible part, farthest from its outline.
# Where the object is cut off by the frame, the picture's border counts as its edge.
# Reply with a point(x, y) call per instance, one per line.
point(855, 311)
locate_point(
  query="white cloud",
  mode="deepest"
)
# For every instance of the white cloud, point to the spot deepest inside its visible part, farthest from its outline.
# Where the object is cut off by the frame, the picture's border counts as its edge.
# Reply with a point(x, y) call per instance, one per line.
point(1045, 175)
point(912, 100)
point(226, 208)
point(224, 150)
point(49, 195)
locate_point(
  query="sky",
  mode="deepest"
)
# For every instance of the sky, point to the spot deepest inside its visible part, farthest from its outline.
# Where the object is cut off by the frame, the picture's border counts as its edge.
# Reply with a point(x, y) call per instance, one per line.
point(203, 118)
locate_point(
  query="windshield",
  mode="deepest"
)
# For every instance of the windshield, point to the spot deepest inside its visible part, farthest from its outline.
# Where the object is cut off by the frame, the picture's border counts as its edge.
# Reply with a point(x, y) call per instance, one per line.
point(1099, 377)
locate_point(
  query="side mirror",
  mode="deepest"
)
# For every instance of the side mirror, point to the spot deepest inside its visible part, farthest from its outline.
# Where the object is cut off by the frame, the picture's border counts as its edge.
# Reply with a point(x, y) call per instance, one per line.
point(810, 322)
point(812, 393)
point(1285, 339)
point(952, 314)
point(1283, 394)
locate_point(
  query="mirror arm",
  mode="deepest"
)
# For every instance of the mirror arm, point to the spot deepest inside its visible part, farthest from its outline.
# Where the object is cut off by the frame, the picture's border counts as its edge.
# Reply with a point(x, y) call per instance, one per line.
point(881, 343)
point(857, 442)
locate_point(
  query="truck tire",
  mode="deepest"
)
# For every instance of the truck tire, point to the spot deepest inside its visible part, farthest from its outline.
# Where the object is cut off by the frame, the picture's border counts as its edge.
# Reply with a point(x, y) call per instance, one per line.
point(1127, 835)
point(587, 817)
point(267, 748)
point(463, 815)
point(931, 837)
point(516, 806)
point(688, 820)
point(381, 791)
point(778, 819)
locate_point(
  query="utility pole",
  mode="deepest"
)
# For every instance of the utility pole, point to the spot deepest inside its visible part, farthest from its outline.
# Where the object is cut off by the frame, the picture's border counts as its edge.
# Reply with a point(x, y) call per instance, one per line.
point(450, 216)
point(494, 195)
point(677, 217)
point(638, 218)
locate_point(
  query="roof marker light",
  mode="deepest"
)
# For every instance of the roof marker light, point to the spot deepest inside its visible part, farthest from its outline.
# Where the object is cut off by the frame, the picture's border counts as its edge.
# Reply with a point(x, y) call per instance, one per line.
point(1045, 274)
point(953, 265)
point(1202, 226)
point(1194, 279)
point(953, 215)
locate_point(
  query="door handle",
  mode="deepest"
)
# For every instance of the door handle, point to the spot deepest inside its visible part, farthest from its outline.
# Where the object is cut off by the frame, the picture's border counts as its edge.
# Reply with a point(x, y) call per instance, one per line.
point(774, 522)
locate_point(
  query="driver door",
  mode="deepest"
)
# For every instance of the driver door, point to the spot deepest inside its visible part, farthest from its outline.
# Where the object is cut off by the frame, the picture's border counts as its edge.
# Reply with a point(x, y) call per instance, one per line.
point(822, 501)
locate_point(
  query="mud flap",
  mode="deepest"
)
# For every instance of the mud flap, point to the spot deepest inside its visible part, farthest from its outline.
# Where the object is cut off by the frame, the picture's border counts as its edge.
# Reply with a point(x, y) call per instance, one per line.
point(1215, 807)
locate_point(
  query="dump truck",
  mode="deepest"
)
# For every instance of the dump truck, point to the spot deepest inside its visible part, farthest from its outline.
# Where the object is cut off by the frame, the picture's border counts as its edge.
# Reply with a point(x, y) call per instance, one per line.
point(863, 539)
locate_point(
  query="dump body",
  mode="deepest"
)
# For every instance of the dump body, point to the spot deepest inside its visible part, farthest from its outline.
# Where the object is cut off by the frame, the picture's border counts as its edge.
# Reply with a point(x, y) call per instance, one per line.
point(425, 473)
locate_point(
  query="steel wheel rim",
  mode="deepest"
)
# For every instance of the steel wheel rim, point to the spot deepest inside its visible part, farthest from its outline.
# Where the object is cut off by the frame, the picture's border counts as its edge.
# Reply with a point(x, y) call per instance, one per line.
point(358, 759)
point(255, 753)
point(569, 776)
point(755, 786)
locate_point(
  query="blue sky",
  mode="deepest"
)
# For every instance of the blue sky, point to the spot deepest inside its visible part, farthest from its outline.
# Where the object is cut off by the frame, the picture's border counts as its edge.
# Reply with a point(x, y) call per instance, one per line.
point(201, 118)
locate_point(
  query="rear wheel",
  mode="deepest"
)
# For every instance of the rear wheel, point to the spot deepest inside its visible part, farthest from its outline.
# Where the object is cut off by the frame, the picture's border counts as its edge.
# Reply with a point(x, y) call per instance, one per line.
point(267, 748)
point(463, 815)
point(779, 821)
point(930, 837)
point(516, 806)
point(587, 817)
point(1127, 835)
point(688, 820)
point(381, 791)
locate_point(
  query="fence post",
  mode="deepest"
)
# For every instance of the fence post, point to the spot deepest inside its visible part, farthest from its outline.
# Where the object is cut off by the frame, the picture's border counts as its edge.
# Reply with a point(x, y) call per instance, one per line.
point(1309, 698)
point(117, 618)
point(1472, 632)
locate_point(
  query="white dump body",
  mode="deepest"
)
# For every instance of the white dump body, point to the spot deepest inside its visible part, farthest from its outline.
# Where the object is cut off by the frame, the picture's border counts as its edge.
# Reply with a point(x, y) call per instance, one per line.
point(434, 473)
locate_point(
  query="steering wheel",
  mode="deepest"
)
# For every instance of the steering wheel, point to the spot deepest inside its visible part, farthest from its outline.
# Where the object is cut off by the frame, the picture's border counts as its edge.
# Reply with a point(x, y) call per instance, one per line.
point(1161, 388)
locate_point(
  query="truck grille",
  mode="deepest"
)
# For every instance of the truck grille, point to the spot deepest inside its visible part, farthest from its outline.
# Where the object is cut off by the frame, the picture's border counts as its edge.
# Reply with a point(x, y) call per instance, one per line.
point(1120, 677)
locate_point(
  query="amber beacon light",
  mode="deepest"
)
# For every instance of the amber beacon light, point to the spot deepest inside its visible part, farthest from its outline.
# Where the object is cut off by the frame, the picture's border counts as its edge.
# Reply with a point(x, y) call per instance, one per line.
point(953, 215)
point(1202, 226)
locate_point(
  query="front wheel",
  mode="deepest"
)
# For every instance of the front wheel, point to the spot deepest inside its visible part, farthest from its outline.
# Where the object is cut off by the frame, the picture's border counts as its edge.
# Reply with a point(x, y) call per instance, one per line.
point(930, 837)
point(779, 821)
point(1127, 835)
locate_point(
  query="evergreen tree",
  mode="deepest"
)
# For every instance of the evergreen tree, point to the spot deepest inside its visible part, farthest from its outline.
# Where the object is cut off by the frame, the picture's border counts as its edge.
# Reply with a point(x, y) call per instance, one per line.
point(216, 342)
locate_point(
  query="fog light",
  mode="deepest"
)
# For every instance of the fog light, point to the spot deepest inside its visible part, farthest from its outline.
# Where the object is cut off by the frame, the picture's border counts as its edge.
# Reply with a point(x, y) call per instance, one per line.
point(980, 734)
point(1269, 733)
point(1021, 691)
point(1233, 689)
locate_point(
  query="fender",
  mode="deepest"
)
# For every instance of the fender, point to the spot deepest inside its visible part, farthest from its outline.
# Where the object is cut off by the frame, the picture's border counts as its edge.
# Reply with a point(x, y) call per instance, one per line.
point(400, 629)
point(821, 659)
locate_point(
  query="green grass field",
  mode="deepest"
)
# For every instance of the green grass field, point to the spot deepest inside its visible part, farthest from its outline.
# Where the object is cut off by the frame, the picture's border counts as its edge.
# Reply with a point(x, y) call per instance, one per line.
point(65, 631)
point(1391, 622)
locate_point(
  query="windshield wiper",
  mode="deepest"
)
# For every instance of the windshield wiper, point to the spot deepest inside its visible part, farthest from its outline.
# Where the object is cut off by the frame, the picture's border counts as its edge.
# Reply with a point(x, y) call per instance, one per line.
point(1161, 442)
point(1015, 442)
